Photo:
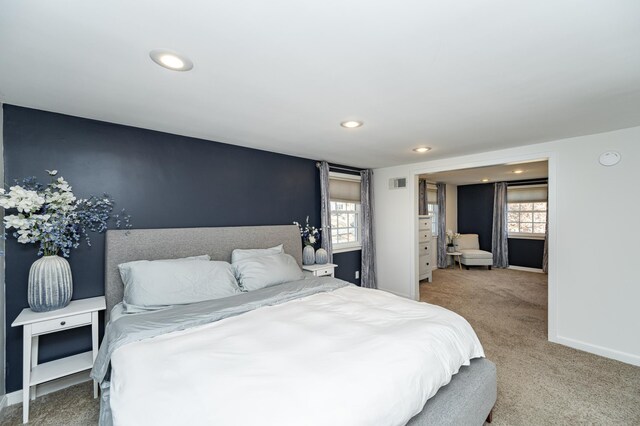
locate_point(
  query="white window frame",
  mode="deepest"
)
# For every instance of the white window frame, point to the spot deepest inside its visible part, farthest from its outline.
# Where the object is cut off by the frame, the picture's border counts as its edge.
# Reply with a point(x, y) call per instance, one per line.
point(356, 245)
point(527, 235)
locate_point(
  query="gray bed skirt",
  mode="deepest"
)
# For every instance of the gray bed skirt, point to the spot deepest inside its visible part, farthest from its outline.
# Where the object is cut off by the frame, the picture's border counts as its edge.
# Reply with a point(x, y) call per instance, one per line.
point(466, 400)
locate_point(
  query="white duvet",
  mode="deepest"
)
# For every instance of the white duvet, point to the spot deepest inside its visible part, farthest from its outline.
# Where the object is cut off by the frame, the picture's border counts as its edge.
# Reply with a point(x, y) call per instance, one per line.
point(348, 357)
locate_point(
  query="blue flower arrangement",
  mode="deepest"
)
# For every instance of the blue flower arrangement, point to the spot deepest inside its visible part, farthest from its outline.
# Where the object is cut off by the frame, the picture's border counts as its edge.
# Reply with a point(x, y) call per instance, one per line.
point(52, 216)
point(310, 234)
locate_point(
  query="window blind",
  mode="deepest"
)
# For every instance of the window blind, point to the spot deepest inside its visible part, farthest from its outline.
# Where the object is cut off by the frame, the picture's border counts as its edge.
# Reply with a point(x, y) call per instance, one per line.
point(432, 194)
point(527, 194)
point(344, 189)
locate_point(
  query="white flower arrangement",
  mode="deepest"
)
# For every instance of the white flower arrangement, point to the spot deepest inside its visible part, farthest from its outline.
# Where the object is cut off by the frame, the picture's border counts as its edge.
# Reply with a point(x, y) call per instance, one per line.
point(452, 237)
point(52, 216)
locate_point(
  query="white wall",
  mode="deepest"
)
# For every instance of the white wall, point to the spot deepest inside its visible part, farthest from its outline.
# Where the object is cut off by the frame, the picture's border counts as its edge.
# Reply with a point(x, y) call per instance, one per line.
point(594, 291)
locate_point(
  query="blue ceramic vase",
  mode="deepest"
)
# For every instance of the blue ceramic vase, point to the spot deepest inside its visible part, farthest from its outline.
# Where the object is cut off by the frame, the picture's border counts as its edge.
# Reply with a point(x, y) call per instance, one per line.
point(321, 256)
point(308, 255)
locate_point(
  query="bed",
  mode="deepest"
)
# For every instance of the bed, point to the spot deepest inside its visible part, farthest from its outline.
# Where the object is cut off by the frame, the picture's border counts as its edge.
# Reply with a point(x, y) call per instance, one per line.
point(339, 354)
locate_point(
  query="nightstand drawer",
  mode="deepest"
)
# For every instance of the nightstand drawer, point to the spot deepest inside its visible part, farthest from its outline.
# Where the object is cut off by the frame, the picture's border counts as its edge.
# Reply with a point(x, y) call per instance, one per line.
point(323, 272)
point(59, 324)
point(424, 249)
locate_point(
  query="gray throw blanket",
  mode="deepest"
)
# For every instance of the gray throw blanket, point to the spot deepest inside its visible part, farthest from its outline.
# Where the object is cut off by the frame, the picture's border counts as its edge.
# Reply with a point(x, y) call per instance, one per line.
point(136, 327)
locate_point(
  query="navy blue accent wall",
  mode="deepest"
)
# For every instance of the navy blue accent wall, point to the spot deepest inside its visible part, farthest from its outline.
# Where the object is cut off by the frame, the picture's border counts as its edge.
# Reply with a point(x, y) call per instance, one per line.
point(162, 180)
point(475, 212)
point(475, 216)
point(348, 263)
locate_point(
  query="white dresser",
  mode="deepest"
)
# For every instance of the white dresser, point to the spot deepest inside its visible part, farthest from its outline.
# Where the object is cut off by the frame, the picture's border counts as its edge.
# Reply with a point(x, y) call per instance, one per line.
point(425, 247)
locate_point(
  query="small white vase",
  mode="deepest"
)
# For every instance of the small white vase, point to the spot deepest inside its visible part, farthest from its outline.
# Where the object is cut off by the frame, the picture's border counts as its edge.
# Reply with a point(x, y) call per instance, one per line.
point(308, 255)
point(50, 284)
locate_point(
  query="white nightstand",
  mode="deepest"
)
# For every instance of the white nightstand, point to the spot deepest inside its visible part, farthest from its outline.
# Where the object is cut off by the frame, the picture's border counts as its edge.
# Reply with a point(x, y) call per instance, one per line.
point(78, 313)
point(325, 270)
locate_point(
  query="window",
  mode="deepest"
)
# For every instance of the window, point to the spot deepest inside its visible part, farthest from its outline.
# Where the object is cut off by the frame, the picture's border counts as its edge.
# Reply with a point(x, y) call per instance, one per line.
point(527, 211)
point(432, 209)
point(344, 194)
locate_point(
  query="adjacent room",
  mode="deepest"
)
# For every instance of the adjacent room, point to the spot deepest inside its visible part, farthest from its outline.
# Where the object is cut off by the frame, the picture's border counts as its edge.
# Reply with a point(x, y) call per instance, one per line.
point(349, 213)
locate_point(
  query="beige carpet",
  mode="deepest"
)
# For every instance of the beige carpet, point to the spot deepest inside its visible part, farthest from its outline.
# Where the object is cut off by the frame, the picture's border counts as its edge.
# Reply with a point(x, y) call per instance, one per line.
point(73, 406)
point(539, 383)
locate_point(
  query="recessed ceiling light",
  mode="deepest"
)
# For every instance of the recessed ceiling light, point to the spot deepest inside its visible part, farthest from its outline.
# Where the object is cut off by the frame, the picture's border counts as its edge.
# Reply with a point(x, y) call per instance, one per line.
point(171, 60)
point(485, 180)
point(351, 124)
point(518, 171)
point(422, 149)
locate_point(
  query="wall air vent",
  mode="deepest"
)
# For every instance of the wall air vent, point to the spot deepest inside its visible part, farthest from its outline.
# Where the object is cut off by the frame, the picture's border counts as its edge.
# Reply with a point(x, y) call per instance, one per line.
point(397, 183)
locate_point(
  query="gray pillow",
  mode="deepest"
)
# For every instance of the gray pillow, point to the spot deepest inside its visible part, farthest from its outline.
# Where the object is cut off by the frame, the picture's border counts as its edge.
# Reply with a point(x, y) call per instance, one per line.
point(255, 273)
point(241, 254)
point(157, 284)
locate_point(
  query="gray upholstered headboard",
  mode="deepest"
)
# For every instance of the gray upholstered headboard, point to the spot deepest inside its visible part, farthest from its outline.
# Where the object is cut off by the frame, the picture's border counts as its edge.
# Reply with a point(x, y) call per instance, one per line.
point(152, 244)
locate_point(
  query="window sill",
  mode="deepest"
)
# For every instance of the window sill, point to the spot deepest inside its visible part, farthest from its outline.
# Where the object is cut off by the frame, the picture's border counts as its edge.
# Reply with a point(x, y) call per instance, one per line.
point(344, 249)
point(526, 237)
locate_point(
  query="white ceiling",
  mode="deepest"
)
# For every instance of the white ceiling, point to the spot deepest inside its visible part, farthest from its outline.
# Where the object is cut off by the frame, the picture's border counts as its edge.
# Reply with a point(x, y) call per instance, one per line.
point(499, 173)
point(458, 76)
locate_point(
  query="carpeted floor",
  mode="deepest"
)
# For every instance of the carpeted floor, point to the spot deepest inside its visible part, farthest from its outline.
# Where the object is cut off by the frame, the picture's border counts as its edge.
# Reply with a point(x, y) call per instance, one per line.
point(73, 406)
point(539, 383)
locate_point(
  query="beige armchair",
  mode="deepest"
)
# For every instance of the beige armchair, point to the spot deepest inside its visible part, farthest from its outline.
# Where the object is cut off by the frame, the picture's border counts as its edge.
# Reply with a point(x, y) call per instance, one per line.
point(469, 246)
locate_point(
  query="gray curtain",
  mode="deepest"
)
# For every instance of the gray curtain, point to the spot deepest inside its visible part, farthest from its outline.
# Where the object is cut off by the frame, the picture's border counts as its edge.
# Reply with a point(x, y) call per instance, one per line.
point(368, 247)
point(442, 219)
point(500, 233)
point(545, 253)
point(325, 210)
point(422, 197)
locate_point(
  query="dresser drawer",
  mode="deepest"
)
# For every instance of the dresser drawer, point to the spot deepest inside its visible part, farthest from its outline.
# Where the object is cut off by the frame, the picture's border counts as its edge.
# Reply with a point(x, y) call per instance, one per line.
point(425, 264)
point(424, 224)
point(61, 323)
point(424, 249)
point(424, 235)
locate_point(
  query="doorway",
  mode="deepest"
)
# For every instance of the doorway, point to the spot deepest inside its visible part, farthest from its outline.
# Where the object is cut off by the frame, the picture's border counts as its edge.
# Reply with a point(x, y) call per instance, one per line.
point(468, 209)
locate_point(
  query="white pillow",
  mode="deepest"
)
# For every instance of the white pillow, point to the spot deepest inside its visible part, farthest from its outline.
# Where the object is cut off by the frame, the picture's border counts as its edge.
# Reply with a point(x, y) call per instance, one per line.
point(240, 254)
point(255, 273)
point(157, 284)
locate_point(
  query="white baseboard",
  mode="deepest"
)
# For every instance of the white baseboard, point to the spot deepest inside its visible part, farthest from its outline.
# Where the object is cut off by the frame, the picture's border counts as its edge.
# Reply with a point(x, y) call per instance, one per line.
point(48, 387)
point(524, 268)
point(599, 350)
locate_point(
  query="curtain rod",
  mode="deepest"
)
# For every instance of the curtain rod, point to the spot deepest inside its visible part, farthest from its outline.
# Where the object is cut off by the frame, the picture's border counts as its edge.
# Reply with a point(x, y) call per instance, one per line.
point(340, 168)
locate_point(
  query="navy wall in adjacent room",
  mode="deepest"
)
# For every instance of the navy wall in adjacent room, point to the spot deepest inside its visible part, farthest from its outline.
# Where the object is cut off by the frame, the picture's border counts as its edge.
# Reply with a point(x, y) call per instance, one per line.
point(475, 212)
point(526, 252)
point(162, 180)
point(475, 216)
